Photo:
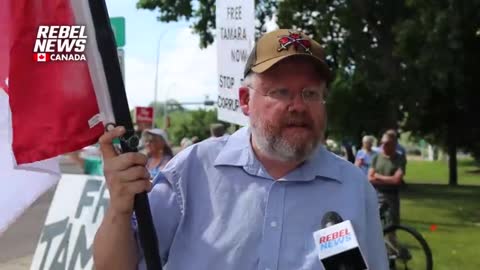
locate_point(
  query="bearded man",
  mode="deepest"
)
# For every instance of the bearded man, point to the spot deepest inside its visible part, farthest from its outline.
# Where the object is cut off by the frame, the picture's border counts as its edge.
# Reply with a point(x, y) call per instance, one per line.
point(251, 200)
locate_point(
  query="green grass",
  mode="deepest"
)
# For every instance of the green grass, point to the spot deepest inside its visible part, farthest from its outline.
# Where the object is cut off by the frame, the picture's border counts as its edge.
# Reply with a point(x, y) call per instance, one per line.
point(455, 210)
point(436, 172)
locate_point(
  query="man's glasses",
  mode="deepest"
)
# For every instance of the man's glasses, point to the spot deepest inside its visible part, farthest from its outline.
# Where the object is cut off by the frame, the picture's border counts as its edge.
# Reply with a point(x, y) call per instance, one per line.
point(309, 95)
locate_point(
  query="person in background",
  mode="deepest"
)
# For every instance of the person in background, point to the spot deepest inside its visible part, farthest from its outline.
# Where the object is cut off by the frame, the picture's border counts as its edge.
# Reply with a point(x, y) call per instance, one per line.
point(348, 149)
point(217, 130)
point(157, 149)
point(364, 156)
point(185, 142)
point(140, 129)
point(195, 139)
point(386, 174)
point(398, 147)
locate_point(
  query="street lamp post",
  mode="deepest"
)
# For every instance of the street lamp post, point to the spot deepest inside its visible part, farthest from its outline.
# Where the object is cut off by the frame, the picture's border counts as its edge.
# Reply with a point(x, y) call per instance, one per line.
point(165, 107)
point(155, 98)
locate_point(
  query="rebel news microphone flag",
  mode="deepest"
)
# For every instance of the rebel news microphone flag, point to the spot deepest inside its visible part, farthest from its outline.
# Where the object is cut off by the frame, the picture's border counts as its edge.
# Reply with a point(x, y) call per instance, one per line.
point(57, 107)
point(337, 244)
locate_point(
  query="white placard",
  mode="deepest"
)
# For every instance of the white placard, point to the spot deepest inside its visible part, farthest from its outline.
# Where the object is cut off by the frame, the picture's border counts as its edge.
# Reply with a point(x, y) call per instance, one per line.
point(75, 214)
point(235, 23)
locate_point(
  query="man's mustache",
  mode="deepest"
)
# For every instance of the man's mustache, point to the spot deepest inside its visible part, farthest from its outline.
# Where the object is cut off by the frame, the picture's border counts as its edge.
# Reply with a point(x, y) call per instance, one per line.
point(298, 120)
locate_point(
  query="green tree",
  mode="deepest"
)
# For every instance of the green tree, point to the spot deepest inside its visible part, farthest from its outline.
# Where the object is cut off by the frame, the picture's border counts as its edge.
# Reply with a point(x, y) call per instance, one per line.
point(174, 10)
point(159, 109)
point(192, 123)
point(409, 62)
point(438, 43)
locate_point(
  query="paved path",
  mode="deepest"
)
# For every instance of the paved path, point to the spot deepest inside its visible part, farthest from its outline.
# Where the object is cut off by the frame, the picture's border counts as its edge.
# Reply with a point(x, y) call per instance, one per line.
point(18, 243)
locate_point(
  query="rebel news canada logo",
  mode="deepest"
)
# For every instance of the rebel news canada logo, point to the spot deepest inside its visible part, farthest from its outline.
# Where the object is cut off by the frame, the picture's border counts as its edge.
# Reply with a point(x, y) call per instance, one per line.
point(60, 43)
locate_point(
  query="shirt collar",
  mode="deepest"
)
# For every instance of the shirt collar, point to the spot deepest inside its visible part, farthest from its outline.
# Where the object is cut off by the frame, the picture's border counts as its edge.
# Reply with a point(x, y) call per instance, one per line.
point(238, 152)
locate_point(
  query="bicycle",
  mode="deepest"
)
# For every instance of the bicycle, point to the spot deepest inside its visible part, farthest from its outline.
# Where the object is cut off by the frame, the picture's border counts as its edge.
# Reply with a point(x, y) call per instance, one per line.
point(406, 247)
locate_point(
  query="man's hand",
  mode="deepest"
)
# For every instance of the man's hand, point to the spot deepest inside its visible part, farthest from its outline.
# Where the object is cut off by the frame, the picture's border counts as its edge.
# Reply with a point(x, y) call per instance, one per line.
point(376, 178)
point(359, 162)
point(125, 174)
point(371, 175)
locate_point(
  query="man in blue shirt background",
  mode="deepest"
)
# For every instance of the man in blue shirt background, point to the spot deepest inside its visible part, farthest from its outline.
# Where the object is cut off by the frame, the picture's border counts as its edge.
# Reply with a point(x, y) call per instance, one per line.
point(364, 156)
point(251, 200)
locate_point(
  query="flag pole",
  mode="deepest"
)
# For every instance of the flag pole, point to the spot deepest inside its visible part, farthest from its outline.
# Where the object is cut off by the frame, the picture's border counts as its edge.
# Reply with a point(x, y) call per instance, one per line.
point(129, 143)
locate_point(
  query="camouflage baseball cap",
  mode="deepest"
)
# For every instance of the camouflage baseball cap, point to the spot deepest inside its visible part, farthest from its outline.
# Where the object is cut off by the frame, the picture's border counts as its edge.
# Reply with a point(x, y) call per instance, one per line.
point(280, 44)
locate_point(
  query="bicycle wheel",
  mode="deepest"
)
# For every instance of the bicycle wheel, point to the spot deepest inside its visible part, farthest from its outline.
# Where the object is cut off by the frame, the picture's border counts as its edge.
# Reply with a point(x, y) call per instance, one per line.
point(407, 249)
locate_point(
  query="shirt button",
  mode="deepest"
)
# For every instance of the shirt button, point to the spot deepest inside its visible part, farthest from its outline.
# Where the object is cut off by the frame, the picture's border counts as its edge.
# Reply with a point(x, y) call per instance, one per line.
point(273, 224)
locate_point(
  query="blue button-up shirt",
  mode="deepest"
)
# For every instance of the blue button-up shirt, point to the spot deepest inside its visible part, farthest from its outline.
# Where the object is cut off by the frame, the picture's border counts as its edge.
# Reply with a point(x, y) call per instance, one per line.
point(215, 207)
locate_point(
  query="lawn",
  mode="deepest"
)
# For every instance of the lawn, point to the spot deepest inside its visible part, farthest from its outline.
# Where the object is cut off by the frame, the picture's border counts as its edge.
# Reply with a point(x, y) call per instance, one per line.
point(427, 200)
point(436, 172)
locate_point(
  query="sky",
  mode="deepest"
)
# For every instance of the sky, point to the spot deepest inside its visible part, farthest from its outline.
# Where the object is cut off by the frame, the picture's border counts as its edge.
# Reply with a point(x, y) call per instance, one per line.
point(185, 72)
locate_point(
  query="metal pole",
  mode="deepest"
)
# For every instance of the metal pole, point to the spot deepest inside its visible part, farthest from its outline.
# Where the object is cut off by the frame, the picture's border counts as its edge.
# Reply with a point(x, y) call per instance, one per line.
point(155, 98)
point(156, 84)
point(165, 107)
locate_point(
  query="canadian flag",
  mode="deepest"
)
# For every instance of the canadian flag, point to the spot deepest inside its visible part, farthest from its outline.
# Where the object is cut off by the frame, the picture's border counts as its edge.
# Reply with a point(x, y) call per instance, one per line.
point(41, 57)
point(45, 110)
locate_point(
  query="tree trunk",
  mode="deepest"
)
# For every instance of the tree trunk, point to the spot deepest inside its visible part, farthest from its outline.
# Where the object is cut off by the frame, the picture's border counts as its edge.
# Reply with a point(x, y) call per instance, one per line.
point(451, 134)
point(452, 163)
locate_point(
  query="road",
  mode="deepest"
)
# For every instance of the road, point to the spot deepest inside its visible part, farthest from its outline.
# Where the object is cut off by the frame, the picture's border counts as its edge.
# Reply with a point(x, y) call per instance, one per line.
point(18, 243)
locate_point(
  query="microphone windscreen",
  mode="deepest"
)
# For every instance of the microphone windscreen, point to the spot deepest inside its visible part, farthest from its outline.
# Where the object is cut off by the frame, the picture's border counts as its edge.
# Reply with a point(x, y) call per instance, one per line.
point(331, 218)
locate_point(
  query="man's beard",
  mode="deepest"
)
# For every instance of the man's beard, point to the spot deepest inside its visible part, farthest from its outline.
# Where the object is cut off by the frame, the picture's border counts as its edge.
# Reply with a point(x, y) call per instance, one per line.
point(270, 140)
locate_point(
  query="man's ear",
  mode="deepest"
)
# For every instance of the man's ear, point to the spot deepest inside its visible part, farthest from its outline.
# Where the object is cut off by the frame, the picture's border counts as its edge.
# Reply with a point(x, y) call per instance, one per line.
point(244, 96)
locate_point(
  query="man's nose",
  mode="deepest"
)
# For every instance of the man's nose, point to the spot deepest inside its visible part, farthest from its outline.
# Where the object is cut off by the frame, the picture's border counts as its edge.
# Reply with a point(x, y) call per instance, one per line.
point(297, 104)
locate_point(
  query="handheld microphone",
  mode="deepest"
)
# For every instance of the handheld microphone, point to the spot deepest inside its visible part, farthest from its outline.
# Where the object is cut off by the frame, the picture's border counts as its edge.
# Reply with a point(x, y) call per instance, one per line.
point(337, 245)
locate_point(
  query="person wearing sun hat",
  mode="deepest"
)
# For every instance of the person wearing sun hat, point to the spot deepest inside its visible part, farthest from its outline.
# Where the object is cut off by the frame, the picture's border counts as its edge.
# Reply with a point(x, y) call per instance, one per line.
point(158, 150)
point(253, 199)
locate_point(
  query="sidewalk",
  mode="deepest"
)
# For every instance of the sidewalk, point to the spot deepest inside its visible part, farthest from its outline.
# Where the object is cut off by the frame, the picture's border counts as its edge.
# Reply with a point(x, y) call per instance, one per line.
point(22, 263)
point(18, 243)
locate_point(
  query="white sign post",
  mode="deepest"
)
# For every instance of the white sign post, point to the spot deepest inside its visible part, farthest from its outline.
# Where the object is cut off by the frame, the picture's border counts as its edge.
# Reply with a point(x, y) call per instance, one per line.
point(235, 20)
point(75, 214)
